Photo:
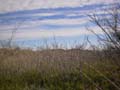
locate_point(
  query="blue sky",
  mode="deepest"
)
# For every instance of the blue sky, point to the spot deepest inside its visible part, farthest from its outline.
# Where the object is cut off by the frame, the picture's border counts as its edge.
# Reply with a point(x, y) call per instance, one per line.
point(39, 20)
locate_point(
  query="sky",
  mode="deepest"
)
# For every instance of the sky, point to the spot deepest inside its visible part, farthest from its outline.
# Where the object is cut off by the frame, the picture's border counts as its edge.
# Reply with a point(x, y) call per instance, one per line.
point(38, 21)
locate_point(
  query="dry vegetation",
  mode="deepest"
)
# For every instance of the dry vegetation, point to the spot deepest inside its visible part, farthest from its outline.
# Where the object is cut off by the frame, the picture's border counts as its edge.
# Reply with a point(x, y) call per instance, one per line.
point(58, 69)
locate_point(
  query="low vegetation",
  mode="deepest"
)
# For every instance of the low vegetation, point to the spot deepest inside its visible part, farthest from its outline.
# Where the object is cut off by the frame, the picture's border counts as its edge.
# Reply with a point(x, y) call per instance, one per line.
point(58, 69)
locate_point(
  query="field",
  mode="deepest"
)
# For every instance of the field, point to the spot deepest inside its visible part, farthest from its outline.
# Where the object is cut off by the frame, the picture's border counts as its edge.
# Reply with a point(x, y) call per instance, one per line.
point(59, 69)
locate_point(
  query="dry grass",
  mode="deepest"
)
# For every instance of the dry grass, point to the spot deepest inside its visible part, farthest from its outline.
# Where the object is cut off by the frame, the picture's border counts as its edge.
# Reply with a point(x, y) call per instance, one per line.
point(57, 70)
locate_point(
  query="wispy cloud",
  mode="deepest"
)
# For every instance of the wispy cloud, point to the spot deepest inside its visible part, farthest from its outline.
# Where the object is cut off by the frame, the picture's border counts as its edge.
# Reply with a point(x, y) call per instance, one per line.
point(35, 34)
point(48, 18)
point(14, 5)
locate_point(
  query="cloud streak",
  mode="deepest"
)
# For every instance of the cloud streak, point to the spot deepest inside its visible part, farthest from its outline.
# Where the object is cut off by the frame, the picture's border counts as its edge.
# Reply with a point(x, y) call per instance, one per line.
point(49, 18)
point(15, 5)
point(38, 34)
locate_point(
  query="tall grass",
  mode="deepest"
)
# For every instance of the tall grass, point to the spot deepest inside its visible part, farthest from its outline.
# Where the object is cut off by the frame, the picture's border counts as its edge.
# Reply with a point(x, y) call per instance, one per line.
point(57, 69)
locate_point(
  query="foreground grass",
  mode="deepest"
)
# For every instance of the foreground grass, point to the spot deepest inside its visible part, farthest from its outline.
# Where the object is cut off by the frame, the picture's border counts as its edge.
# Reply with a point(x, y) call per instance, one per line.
point(29, 71)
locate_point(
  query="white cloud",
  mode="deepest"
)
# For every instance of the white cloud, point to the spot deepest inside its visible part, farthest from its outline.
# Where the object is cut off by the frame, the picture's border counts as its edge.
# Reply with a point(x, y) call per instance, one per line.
point(32, 4)
point(14, 5)
point(66, 21)
point(99, 1)
point(35, 34)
